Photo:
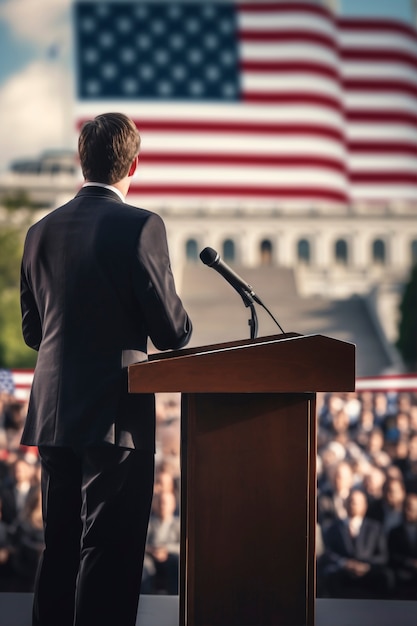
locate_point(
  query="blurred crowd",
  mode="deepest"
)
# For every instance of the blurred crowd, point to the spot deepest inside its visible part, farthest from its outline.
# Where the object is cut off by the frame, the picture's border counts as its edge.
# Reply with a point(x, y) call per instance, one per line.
point(366, 505)
point(367, 495)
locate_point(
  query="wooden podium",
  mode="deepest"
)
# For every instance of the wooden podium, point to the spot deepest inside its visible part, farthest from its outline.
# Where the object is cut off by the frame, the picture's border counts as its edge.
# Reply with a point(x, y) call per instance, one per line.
point(248, 472)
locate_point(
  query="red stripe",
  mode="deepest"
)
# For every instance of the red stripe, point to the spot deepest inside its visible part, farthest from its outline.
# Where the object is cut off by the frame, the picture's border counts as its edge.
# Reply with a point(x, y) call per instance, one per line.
point(371, 84)
point(384, 178)
point(379, 25)
point(194, 158)
point(285, 36)
point(385, 117)
point(380, 55)
point(382, 147)
point(161, 189)
point(290, 67)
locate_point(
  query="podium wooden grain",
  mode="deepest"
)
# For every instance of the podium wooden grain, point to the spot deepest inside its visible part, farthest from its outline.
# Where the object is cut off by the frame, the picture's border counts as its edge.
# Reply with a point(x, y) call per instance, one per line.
point(248, 472)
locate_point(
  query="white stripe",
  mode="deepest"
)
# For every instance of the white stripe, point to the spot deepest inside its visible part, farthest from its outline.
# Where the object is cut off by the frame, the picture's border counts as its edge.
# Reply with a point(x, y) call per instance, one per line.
point(383, 192)
point(298, 20)
point(382, 163)
point(242, 176)
point(381, 101)
point(22, 378)
point(386, 384)
point(289, 51)
point(380, 70)
point(382, 132)
point(215, 143)
point(378, 40)
point(233, 112)
point(283, 82)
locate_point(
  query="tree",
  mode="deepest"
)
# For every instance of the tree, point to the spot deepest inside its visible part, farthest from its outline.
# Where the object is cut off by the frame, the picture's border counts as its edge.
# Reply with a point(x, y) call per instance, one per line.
point(407, 335)
point(13, 350)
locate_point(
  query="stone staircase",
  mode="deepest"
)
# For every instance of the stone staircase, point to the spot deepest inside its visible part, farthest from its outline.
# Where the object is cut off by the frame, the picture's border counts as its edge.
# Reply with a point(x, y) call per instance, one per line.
point(218, 312)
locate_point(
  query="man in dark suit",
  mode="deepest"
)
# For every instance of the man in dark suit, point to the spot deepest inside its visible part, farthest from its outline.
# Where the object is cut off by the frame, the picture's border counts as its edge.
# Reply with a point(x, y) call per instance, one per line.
point(96, 282)
point(402, 546)
point(355, 557)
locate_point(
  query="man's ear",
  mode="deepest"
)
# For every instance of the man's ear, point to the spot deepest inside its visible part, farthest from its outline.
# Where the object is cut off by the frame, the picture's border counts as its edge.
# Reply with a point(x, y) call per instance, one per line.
point(133, 167)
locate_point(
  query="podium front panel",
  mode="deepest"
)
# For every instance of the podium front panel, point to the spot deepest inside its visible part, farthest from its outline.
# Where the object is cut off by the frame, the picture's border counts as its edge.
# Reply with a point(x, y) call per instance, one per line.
point(248, 509)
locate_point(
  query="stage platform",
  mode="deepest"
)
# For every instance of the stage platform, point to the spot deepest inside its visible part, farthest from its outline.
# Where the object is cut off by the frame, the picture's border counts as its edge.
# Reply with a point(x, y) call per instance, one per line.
point(15, 610)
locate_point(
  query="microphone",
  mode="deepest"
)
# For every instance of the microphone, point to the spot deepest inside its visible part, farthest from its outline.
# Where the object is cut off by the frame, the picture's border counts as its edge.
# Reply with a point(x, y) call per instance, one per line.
point(211, 258)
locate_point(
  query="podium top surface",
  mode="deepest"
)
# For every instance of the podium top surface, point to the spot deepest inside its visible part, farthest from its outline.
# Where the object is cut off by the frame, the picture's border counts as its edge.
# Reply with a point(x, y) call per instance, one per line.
point(287, 363)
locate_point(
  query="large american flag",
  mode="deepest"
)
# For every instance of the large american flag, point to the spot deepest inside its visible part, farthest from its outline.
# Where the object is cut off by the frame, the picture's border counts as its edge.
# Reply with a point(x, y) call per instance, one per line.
point(247, 104)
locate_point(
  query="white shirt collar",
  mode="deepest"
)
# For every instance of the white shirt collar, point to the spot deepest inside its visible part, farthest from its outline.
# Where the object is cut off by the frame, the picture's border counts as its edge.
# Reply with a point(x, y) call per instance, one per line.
point(117, 191)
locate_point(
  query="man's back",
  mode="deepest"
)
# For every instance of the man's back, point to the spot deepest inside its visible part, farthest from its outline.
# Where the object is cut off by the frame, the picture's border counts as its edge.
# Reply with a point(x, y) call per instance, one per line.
point(94, 283)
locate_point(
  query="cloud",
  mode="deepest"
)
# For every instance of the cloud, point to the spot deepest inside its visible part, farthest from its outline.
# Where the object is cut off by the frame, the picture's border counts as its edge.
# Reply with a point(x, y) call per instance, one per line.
point(41, 22)
point(36, 107)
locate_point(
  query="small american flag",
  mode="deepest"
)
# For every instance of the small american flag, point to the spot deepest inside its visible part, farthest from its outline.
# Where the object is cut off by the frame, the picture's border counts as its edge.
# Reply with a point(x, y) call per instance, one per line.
point(16, 383)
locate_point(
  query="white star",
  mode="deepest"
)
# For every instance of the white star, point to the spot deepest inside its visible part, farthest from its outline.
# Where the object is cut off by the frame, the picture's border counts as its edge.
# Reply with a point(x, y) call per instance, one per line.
point(179, 72)
point(88, 25)
point(158, 27)
point(146, 71)
point(212, 72)
point(130, 85)
point(164, 88)
point(124, 24)
point(161, 56)
point(92, 87)
point(143, 41)
point(196, 87)
point(195, 56)
point(109, 70)
point(127, 55)
point(91, 56)
point(176, 41)
point(192, 26)
point(106, 39)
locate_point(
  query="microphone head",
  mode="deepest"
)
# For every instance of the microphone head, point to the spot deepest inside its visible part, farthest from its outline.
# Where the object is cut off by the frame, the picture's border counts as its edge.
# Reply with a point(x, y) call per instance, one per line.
point(209, 256)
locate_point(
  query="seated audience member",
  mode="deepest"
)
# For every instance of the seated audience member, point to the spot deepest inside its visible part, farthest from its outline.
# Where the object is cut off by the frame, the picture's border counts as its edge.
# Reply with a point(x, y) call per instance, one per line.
point(364, 427)
point(389, 510)
point(355, 558)
point(5, 556)
point(374, 449)
point(402, 546)
point(160, 571)
point(331, 504)
point(28, 542)
point(373, 484)
point(16, 488)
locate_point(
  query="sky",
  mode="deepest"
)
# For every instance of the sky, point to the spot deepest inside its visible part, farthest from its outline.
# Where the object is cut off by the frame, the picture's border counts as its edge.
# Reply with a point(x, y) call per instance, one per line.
point(37, 78)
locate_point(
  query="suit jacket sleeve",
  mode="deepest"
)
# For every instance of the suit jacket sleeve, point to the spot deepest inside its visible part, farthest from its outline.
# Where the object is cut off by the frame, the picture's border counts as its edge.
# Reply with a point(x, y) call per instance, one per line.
point(167, 322)
point(31, 322)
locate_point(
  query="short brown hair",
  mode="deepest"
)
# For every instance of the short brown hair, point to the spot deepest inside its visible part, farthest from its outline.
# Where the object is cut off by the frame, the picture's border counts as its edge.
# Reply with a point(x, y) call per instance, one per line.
point(107, 146)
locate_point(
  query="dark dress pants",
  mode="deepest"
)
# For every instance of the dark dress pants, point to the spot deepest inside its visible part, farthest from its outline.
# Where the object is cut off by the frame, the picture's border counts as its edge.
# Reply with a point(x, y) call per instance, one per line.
point(96, 509)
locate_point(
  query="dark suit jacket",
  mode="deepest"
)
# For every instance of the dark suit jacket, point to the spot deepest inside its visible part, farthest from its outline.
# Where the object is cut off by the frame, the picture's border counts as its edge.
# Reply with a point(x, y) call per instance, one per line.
point(402, 552)
point(95, 280)
point(369, 546)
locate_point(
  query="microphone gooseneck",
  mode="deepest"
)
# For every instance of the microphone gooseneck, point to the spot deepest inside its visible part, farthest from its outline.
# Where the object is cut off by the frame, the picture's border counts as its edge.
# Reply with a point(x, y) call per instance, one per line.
point(212, 259)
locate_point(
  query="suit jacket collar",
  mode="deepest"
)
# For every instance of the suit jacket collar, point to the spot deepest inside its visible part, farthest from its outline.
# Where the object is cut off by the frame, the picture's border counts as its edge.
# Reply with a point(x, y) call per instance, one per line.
point(94, 191)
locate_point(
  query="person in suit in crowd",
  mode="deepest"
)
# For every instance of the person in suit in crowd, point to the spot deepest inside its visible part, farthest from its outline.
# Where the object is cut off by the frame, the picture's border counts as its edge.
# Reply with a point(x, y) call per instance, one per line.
point(27, 538)
point(355, 558)
point(331, 504)
point(389, 509)
point(16, 488)
point(163, 546)
point(402, 547)
point(96, 283)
